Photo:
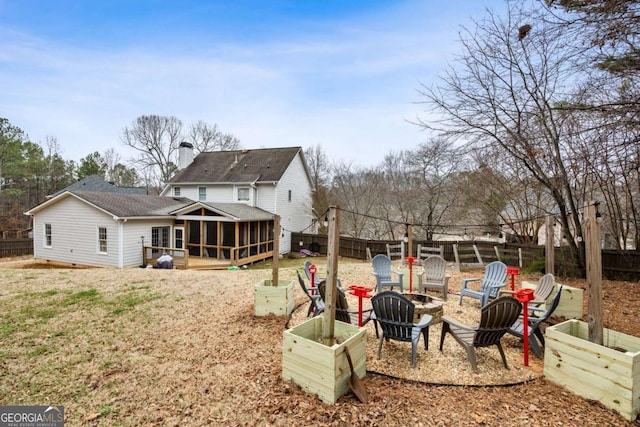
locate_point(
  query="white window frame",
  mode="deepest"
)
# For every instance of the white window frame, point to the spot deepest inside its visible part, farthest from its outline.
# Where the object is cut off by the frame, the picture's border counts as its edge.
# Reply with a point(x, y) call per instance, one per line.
point(102, 240)
point(48, 235)
point(176, 191)
point(202, 194)
point(248, 190)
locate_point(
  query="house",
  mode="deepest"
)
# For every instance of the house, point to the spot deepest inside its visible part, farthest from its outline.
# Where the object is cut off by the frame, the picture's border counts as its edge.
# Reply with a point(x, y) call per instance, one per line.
point(275, 180)
point(219, 210)
point(127, 230)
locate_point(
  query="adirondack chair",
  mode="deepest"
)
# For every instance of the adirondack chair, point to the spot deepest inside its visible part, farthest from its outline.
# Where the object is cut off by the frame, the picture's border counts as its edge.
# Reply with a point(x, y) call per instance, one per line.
point(316, 278)
point(535, 321)
point(495, 274)
point(316, 304)
point(343, 313)
point(543, 290)
point(433, 275)
point(495, 320)
point(541, 293)
point(383, 273)
point(394, 313)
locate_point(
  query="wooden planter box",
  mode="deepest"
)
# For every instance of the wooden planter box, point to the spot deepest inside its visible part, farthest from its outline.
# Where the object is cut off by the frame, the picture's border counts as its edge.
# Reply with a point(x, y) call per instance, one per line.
point(269, 299)
point(320, 369)
point(608, 373)
point(571, 300)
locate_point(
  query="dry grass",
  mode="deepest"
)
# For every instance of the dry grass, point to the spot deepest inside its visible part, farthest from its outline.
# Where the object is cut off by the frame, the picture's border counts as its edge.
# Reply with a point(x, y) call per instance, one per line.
point(171, 347)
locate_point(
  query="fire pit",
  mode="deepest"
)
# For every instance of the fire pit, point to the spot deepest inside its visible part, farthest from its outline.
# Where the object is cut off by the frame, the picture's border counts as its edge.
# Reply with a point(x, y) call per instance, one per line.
point(425, 304)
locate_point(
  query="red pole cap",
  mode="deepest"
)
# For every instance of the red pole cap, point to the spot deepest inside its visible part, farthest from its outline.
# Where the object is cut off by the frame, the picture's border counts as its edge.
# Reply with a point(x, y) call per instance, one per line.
point(312, 269)
point(524, 295)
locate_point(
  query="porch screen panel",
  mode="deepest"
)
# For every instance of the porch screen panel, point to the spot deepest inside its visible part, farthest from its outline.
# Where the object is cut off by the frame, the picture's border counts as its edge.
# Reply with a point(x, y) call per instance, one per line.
point(253, 237)
point(243, 245)
point(228, 238)
point(193, 237)
point(211, 239)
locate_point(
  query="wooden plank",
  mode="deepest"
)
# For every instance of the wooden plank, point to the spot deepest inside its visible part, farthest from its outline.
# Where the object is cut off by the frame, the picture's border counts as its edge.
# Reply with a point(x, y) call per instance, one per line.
point(320, 369)
point(595, 371)
point(571, 302)
point(594, 272)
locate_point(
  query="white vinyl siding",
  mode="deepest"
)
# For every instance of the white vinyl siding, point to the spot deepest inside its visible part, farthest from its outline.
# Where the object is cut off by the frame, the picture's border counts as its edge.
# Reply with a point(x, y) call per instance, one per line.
point(135, 232)
point(295, 214)
point(75, 241)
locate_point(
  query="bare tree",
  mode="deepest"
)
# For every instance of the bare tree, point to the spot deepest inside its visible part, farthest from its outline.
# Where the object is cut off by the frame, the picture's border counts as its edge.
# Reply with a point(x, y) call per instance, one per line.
point(206, 137)
point(357, 192)
point(156, 138)
point(502, 92)
point(434, 165)
point(319, 169)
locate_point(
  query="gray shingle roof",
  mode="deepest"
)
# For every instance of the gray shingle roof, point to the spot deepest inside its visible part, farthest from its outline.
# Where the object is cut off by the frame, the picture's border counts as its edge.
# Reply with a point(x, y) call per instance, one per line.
point(241, 211)
point(97, 184)
point(133, 205)
point(238, 166)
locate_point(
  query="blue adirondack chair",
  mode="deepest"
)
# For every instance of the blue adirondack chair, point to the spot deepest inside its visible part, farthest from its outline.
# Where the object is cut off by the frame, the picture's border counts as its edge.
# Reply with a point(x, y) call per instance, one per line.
point(495, 274)
point(383, 273)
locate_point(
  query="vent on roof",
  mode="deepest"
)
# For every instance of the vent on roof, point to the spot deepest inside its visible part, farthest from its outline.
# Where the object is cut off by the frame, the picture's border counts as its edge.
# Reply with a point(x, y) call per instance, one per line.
point(244, 151)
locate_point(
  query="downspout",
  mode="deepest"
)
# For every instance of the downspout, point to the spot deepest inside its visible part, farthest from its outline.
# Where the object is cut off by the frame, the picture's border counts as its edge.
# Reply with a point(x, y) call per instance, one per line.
point(254, 193)
point(121, 242)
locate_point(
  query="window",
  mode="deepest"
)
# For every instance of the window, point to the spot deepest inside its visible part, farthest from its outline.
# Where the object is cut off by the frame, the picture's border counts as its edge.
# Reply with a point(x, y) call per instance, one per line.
point(243, 194)
point(47, 235)
point(289, 195)
point(176, 191)
point(202, 193)
point(160, 237)
point(102, 240)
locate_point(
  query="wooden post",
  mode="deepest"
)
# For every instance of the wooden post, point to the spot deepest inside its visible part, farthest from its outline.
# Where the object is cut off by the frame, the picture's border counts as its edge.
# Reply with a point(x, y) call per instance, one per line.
point(550, 245)
point(331, 287)
point(276, 250)
point(591, 230)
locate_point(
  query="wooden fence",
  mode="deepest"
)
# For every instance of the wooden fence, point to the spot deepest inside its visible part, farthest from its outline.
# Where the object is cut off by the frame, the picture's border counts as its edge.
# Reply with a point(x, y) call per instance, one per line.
point(15, 247)
point(621, 265)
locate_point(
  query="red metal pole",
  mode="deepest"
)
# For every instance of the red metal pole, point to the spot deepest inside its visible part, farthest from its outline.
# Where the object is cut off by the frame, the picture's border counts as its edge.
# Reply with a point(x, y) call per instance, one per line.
point(525, 321)
point(360, 311)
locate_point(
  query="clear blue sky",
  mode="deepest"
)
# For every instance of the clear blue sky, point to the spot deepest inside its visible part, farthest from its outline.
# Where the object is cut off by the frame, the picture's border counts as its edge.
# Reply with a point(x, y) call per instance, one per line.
point(342, 74)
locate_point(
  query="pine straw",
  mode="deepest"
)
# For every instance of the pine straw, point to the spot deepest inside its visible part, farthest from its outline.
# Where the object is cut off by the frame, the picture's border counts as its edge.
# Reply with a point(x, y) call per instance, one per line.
point(449, 367)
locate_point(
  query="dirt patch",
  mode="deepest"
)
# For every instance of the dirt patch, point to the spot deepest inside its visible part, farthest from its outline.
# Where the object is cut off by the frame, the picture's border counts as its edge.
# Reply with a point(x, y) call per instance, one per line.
point(171, 347)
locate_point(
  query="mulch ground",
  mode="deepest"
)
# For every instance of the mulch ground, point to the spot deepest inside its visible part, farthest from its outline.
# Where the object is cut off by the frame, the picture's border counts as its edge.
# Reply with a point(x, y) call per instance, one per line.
point(162, 347)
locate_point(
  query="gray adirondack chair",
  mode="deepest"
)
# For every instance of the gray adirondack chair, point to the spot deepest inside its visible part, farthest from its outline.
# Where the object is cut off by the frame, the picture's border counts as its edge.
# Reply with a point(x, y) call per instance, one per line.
point(394, 313)
point(434, 275)
point(495, 274)
point(540, 315)
point(383, 273)
point(495, 320)
point(316, 304)
point(343, 312)
point(544, 288)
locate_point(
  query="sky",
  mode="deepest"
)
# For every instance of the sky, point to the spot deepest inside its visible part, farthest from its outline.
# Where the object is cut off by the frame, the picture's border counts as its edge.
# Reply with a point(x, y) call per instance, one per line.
point(340, 74)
